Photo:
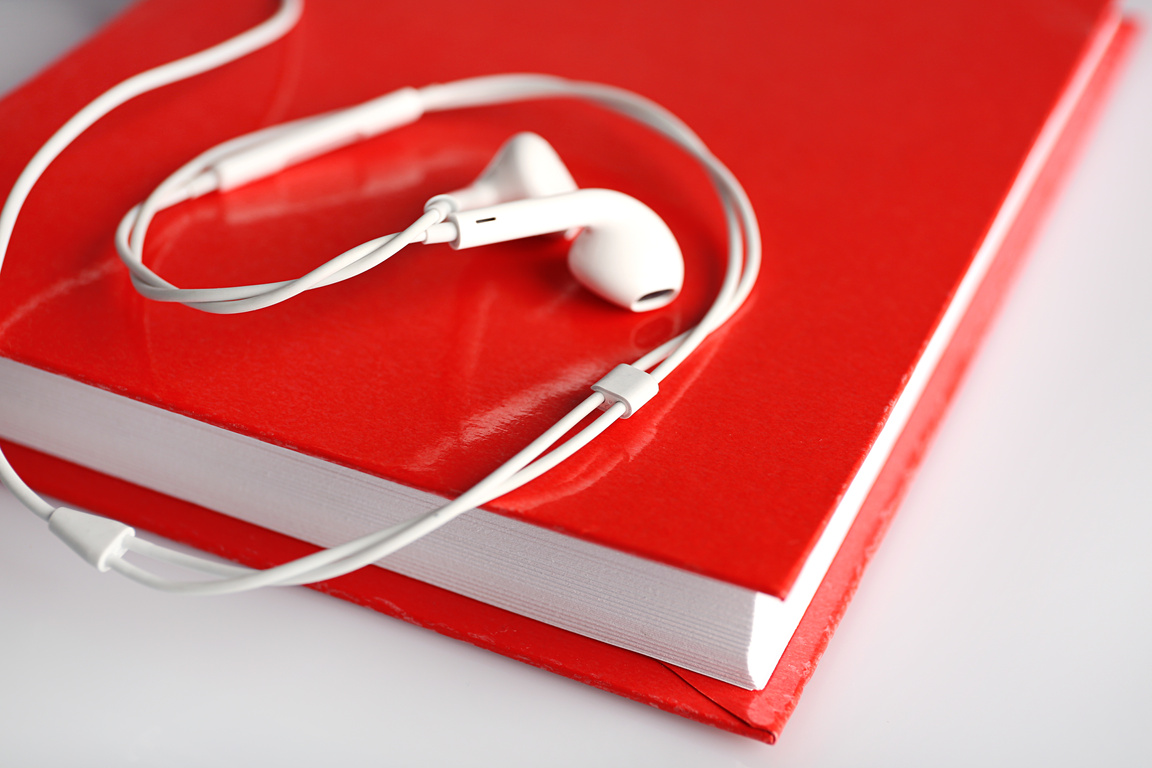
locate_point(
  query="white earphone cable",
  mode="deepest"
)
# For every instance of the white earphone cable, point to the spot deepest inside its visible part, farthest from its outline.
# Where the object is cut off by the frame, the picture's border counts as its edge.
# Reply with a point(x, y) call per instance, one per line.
point(275, 27)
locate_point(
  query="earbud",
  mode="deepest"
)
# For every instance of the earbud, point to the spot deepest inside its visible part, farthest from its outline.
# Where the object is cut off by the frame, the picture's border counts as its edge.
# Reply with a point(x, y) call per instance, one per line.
point(525, 166)
point(623, 252)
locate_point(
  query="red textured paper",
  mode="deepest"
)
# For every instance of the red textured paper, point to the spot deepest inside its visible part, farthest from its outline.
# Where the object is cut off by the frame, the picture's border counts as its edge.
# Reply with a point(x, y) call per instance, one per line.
point(876, 143)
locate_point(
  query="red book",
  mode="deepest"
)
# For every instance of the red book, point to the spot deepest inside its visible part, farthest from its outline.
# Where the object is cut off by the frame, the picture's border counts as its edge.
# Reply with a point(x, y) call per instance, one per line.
point(896, 176)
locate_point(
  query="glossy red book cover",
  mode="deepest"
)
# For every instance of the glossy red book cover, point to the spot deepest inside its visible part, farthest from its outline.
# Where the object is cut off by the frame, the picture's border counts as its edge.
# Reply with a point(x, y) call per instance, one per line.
point(875, 146)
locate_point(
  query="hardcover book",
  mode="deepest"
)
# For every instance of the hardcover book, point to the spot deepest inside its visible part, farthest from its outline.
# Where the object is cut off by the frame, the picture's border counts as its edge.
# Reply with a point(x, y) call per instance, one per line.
point(698, 556)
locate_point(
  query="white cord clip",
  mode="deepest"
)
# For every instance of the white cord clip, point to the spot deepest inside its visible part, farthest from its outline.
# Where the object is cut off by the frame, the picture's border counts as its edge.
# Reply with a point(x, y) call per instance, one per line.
point(629, 385)
point(96, 539)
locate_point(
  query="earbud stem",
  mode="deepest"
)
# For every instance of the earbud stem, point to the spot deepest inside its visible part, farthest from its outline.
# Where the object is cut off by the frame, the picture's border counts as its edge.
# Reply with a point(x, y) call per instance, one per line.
point(530, 217)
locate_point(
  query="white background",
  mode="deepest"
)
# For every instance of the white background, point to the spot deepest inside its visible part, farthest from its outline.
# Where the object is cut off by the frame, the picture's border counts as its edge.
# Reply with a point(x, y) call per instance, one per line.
point(1007, 619)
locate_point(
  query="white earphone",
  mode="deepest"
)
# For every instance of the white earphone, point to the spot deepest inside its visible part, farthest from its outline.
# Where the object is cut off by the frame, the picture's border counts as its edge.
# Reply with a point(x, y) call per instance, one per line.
point(621, 250)
point(624, 252)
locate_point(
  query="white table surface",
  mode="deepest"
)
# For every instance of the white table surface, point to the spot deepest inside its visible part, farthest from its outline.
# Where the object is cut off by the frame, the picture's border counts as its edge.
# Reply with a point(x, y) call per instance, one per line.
point(1007, 620)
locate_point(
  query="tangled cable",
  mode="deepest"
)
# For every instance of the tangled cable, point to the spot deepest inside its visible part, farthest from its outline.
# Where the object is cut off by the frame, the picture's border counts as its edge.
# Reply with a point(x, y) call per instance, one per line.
point(104, 542)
